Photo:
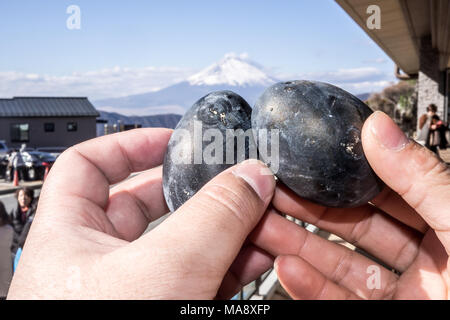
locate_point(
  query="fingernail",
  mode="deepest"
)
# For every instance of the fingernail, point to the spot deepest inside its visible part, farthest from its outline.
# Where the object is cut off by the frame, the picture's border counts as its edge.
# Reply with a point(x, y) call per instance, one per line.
point(258, 176)
point(387, 132)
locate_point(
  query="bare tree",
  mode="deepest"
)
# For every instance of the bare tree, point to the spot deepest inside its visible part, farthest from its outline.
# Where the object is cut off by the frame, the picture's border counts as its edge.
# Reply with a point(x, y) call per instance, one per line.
point(399, 101)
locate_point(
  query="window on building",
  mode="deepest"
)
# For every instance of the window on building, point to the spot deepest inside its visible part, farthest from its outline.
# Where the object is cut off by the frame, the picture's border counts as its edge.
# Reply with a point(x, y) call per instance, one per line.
point(20, 132)
point(49, 127)
point(72, 126)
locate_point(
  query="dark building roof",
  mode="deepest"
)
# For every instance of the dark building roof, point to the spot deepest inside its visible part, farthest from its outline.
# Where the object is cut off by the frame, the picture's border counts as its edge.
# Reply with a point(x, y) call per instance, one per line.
point(47, 107)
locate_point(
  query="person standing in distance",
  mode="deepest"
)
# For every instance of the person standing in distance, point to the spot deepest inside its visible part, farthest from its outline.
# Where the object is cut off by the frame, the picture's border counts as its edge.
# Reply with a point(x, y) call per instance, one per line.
point(425, 123)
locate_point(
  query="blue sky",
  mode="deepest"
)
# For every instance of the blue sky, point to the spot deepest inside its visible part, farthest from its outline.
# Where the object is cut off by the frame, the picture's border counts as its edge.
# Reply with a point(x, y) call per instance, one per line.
point(181, 37)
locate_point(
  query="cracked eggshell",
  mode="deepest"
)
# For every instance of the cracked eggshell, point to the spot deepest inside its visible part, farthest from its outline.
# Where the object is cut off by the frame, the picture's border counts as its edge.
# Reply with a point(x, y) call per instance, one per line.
point(191, 159)
point(320, 152)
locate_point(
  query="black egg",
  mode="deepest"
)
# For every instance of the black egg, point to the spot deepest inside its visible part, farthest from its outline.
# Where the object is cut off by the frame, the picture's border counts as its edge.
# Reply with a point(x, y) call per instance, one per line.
point(320, 152)
point(214, 134)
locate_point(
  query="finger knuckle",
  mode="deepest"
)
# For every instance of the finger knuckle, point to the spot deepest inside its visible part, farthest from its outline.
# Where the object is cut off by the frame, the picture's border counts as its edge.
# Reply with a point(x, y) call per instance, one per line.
point(237, 201)
point(430, 173)
point(343, 266)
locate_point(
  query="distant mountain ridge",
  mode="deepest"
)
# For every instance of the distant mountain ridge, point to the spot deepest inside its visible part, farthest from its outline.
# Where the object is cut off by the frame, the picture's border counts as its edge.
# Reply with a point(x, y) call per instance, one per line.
point(158, 121)
point(363, 96)
point(174, 99)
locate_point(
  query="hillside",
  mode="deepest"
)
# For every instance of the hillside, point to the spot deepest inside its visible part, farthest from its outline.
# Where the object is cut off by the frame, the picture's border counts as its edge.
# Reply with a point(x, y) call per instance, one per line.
point(160, 120)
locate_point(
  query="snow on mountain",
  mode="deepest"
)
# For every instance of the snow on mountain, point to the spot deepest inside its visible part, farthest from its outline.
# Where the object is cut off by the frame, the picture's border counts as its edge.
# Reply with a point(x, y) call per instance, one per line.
point(233, 72)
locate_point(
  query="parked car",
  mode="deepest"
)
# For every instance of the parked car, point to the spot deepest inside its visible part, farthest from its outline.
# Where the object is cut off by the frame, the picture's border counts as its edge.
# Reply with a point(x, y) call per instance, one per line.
point(35, 163)
point(3, 165)
point(54, 151)
point(3, 148)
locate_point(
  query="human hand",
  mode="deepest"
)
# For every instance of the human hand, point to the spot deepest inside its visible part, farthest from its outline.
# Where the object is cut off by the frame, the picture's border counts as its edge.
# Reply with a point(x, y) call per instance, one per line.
point(86, 239)
point(407, 227)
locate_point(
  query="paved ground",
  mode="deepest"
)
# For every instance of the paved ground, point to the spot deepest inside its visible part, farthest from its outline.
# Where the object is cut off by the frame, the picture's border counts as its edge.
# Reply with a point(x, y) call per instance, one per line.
point(7, 187)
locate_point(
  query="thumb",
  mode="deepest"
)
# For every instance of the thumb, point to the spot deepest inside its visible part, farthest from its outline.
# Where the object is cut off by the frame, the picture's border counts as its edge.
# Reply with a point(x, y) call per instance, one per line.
point(420, 177)
point(212, 226)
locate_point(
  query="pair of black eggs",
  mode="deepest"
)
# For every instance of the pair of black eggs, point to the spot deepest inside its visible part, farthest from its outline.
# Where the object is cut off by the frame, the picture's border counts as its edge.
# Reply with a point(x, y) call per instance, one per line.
point(311, 137)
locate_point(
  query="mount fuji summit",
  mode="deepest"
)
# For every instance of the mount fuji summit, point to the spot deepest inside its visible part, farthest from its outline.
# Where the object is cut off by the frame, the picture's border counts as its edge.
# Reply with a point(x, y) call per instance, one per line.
point(233, 72)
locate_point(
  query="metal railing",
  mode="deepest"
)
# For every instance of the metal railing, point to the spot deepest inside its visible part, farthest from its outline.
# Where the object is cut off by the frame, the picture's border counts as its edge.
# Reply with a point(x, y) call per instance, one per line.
point(253, 288)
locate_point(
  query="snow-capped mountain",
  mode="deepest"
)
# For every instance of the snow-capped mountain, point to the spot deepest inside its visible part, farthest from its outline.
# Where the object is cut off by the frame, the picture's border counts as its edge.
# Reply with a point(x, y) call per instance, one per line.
point(233, 72)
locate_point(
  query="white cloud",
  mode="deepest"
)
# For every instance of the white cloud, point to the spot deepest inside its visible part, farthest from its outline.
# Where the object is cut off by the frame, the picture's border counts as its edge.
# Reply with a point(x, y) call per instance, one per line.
point(99, 84)
point(366, 86)
point(354, 80)
point(122, 81)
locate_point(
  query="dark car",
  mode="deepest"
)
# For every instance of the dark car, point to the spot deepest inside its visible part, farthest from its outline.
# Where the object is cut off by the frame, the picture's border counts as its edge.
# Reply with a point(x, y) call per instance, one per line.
point(36, 163)
point(3, 165)
point(3, 149)
point(54, 151)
